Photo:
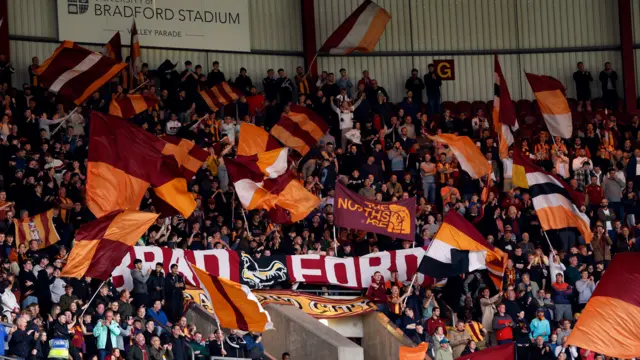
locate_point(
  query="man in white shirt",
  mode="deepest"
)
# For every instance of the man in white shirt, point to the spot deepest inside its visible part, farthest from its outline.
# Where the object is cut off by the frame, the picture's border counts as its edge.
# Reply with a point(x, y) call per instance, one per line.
point(579, 160)
point(507, 165)
point(173, 125)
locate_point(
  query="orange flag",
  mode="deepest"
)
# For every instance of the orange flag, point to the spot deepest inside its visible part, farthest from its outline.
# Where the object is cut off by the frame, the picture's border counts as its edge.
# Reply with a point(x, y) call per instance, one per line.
point(416, 353)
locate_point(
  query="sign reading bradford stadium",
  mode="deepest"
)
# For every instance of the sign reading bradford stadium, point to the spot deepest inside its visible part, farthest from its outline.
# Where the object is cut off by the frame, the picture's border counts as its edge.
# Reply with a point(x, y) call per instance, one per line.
point(186, 24)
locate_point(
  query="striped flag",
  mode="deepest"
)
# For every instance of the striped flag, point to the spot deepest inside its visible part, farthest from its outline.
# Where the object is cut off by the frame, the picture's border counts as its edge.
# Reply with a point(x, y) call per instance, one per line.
point(459, 248)
point(234, 305)
point(504, 115)
point(39, 227)
point(361, 31)
point(554, 200)
point(550, 94)
point(468, 154)
point(609, 323)
point(300, 129)
point(124, 160)
point(519, 174)
point(254, 140)
point(131, 105)
point(102, 244)
point(75, 73)
point(270, 163)
point(284, 197)
point(189, 156)
point(220, 95)
point(113, 49)
point(134, 55)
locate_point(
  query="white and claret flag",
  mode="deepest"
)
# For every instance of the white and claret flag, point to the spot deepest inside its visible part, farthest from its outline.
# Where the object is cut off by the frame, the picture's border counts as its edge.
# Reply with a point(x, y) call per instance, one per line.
point(504, 115)
point(468, 154)
point(554, 106)
point(459, 248)
point(554, 200)
point(263, 181)
point(234, 305)
point(136, 61)
point(361, 31)
point(74, 72)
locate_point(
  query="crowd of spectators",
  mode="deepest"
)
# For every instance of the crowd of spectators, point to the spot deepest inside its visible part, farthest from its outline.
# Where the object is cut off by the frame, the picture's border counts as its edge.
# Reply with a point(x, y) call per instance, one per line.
point(43, 158)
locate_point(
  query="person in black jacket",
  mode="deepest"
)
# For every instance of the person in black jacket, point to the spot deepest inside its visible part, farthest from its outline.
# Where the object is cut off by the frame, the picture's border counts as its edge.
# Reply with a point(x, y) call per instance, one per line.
point(270, 86)
point(583, 80)
point(174, 285)
point(540, 350)
point(179, 346)
point(155, 283)
point(243, 82)
point(608, 78)
point(285, 88)
point(27, 281)
point(22, 341)
point(432, 82)
point(139, 350)
point(216, 344)
point(415, 85)
point(216, 76)
point(44, 279)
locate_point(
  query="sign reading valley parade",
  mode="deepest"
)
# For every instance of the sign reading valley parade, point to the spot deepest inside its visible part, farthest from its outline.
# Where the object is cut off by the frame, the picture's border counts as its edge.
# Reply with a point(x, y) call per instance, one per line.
point(185, 24)
point(394, 219)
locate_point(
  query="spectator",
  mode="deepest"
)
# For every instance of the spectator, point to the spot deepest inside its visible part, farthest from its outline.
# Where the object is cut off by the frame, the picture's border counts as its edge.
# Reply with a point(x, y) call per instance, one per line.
point(106, 331)
point(503, 326)
point(585, 287)
point(139, 292)
point(432, 83)
point(459, 338)
point(414, 85)
point(608, 78)
point(583, 80)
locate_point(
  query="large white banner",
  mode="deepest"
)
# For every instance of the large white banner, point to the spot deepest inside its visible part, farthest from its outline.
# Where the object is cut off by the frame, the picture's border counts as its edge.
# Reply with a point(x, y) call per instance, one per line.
point(187, 24)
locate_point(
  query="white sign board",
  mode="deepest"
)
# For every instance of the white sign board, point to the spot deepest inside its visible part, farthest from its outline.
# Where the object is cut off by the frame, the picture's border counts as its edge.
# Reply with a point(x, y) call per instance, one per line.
point(186, 24)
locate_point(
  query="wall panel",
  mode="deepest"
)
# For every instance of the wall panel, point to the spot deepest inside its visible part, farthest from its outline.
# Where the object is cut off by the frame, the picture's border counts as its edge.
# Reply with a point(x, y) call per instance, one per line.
point(463, 24)
point(567, 23)
point(635, 18)
point(33, 18)
point(276, 25)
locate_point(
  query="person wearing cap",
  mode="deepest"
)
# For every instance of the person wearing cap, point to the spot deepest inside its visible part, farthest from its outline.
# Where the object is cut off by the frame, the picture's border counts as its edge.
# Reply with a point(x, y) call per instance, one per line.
point(540, 326)
point(67, 298)
point(442, 348)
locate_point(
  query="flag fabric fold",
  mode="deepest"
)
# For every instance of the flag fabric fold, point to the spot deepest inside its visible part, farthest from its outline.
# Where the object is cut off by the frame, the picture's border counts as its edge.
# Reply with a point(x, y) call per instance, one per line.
point(554, 106)
point(113, 49)
point(468, 154)
point(254, 140)
point(74, 72)
point(101, 244)
point(609, 323)
point(459, 248)
point(284, 196)
point(131, 105)
point(361, 31)
point(270, 163)
point(189, 156)
point(519, 174)
point(38, 227)
point(504, 115)
point(499, 352)
point(234, 305)
point(414, 353)
point(220, 95)
point(554, 200)
point(124, 160)
point(300, 129)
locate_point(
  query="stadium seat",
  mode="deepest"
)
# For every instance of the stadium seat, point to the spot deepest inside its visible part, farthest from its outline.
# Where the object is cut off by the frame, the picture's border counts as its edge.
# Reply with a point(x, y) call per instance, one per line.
point(523, 107)
point(476, 105)
point(463, 107)
point(449, 105)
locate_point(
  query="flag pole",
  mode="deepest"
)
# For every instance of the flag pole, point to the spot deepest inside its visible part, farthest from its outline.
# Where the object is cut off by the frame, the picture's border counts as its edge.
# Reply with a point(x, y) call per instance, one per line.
point(548, 241)
point(63, 121)
point(93, 297)
point(139, 86)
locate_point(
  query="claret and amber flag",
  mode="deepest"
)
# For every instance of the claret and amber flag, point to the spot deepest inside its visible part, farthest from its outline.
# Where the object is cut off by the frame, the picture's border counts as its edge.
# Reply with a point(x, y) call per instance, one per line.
point(609, 323)
point(38, 227)
point(459, 248)
point(504, 115)
point(361, 31)
point(131, 105)
point(254, 140)
point(300, 128)
point(554, 200)
point(234, 305)
point(189, 156)
point(101, 244)
point(468, 154)
point(124, 160)
point(553, 103)
point(220, 95)
point(74, 72)
point(134, 55)
point(414, 353)
point(113, 48)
